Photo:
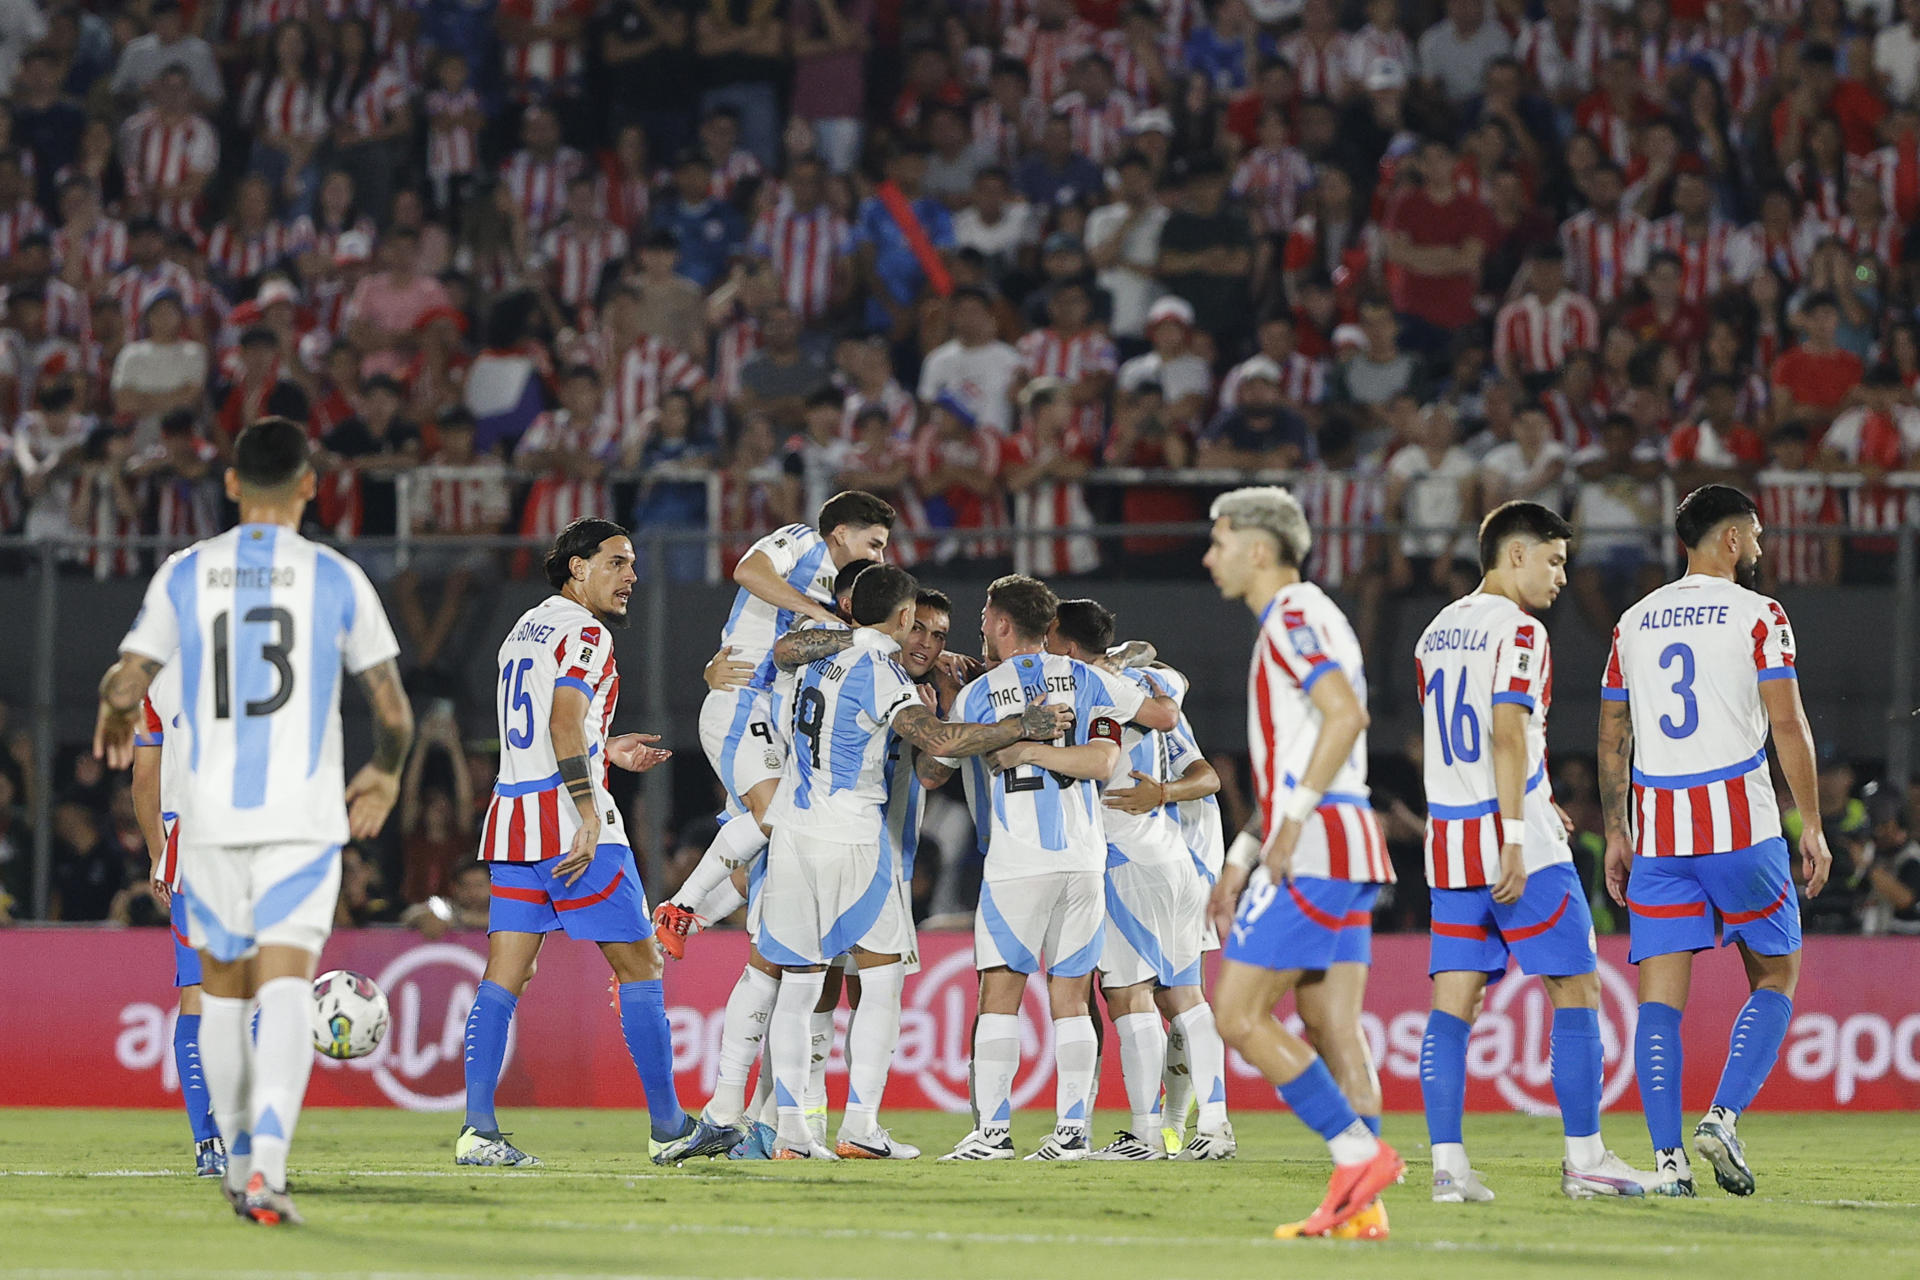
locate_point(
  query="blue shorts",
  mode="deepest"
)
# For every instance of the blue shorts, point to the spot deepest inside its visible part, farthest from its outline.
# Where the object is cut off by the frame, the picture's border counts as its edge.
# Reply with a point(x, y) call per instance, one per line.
point(1674, 903)
point(1306, 923)
point(1549, 931)
point(605, 905)
point(186, 961)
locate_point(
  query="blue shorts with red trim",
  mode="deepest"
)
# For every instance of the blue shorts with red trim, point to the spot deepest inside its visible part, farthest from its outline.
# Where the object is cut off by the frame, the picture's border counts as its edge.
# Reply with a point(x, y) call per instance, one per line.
point(1306, 923)
point(1674, 902)
point(186, 961)
point(604, 905)
point(1549, 930)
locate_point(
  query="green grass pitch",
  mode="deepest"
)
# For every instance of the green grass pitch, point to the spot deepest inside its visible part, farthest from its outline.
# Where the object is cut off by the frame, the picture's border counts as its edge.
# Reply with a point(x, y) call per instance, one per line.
point(97, 1193)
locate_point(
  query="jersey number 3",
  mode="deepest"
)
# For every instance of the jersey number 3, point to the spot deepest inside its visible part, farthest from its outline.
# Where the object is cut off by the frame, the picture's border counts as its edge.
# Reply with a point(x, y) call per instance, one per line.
point(1683, 689)
point(276, 652)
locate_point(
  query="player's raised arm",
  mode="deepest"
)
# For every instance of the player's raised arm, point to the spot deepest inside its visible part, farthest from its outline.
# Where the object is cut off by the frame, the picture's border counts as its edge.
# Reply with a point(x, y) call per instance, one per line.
point(373, 790)
point(760, 576)
point(806, 646)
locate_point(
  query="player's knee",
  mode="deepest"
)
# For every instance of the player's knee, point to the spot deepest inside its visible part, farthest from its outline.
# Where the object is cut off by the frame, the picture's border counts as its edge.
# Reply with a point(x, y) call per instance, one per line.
point(1236, 1023)
point(1779, 974)
point(1573, 991)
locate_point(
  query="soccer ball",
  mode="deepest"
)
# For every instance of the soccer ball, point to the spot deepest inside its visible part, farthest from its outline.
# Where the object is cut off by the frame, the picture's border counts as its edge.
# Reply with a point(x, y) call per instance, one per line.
point(349, 1014)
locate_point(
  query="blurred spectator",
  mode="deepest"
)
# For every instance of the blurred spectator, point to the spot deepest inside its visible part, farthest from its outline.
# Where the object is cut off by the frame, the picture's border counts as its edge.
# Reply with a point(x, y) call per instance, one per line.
point(1893, 876)
point(974, 368)
point(168, 44)
point(1814, 379)
point(1530, 467)
point(1430, 485)
point(463, 907)
point(901, 236)
point(1454, 54)
point(88, 871)
point(1044, 463)
point(1436, 240)
point(1619, 500)
point(363, 897)
point(1258, 433)
point(1206, 253)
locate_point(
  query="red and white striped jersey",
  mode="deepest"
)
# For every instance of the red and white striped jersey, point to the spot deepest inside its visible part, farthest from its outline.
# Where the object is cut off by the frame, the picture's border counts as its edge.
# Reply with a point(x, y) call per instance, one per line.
point(102, 250)
point(556, 644)
point(622, 198)
point(183, 509)
point(558, 498)
point(1048, 54)
point(1751, 397)
point(374, 104)
point(1304, 636)
point(1896, 168)
point(1005, 138)
point(158, 153)
point(17, 223)
point(1791, 509)
point(958, 507)
point(1051, 504)
point(545, 61)
point(1046, 353)
point(1822, 195)
point(1563, 66)
point(647, 371)
point(236, 254)
point(160, 716)
point(1884, 240)
point(1479, 653)
point(285, 106)
point(733, 346)
point(1321, 69)
point(1604, 255)
point(259, 17)
point(1613, 131)
point(1661, 52)
point(740, 165)
point(1099, 130)
point(1271, 182)
point(577, 255)
point(1536, 334)
point(465, 499)
point(901, 410)
point(134, 288)
point(1689, 660)
point(1746, 63)
point(1370, 43)
point(1349, 501)
point(68, 315)
point(1758, 247)
point(1706, 260)
point(804, 248)
point(540, 186)
point(453, 146)
point(1131, 68)
point(102, 513)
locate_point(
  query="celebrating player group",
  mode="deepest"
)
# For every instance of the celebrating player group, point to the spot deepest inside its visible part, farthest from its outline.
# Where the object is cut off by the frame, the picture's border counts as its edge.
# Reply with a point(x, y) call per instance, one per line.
point(834, 706)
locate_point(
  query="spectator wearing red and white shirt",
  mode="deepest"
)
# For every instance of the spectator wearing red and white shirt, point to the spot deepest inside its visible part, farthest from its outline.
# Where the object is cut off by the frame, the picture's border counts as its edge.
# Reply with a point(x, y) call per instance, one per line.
point(538, 173)
point(867, 371)
point(809, 246)
point(1776, 242)
point(1097, 112)
point(168, 153)
point(572, 447)
point(956, 469)
point(1048, 43)
point(1071, 349)
point(1138, 51)
point(20, 217)
point(1867, 228)
point(579, 250)
point(252, 239)
point(1566, 51)
point(1706, 244)
point(1381, 40)
point(1619, 106)
point(466, 491)
point(1748, 58)
point(284, 104)
point(1319, 53)
point(1536, 331)
point(543, 43)
point(369, 100)
point(1044, 465)
point(87, 248)
point(1666, 316)
point(454, 121)
point(1008, 120)
point(1273, 177)
point(731, 164)
point(625, 187)
point(1715, 445)
point(645, 372)
point(1896, 166)
point(148, 272)
point(1303, 380)
point(1605, 244)
point(1879, 435)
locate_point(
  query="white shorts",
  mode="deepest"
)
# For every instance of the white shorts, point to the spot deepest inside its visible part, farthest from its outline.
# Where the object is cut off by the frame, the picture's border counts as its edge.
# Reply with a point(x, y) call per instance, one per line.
point(743, 741)
point(244, 897)
point(910, 957)
point(820, 899)
point(1059, 914)
point(1151, 936)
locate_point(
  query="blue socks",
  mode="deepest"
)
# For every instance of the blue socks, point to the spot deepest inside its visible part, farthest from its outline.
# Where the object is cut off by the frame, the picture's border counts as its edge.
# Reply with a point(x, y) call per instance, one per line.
point(487, 1025)
point(643, 1021)
point(1577, 1061)
point(1317, 1100)
point(1443, 1075)
point(1754, 1046)
point(193, 1081)
point(1657, 1061)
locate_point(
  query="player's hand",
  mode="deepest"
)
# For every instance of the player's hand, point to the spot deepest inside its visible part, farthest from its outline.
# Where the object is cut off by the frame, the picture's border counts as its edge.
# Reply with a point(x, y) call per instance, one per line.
point(1278, 852)
point(1815, 860)
point(1043, 722)
point(1566, 819)
point(1224, 901)
point(1145, 798)
point(1513, 876)
point(636, 753)
point(579, 853)
point(113, 737)
point(1009, 757)
point(370, 798)
point(725, 672)
point(161, 893)
point(1619, 863)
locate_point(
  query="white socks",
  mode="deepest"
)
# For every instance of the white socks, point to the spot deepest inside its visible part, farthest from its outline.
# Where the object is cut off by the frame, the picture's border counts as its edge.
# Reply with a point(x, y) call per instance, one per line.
point(1451, 1157)
point(721, 903)
point(1206, 1065)
point(739, 842)
point(1176, 1078)
point(1143, 1057)
point(996, 1060)
point(283, 1059)
point(227, 1060)
point(1353, 1144)
point(819, 1049)
point(1074, 1049)
point(741, 1032)
point(871, 1039)
point(790, 1038)
point(1587, 1152)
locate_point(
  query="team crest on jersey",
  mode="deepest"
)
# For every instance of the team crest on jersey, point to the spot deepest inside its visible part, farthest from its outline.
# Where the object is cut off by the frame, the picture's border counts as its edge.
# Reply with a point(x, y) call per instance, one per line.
point(1300, 631)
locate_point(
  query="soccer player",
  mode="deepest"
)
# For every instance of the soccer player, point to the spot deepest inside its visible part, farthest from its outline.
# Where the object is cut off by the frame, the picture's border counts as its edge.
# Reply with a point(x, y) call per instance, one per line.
point(157, 792)
point(1304, 923)
point(263, 622)
point(1150, 959)
point(1701, 669)
point(832, 879)
point(788, 574)
point(1042, 889)
point(1498, 862)
point(566, 863)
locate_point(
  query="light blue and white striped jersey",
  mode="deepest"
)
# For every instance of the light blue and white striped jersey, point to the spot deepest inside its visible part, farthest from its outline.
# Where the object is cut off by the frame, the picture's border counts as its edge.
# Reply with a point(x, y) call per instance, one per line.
point(835, 781)
point(1200, 823)
point(264, 622)
point(799, 555)
point(1029, 821)
point(1153, 838)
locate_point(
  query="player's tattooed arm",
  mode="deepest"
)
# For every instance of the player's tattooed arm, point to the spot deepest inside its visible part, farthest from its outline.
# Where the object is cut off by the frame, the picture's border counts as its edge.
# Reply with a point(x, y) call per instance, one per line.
point(121, 691)
point(798, 649)
point(1615, 767)
point(372, 792)
point(567, 727)
point(1040, 722)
